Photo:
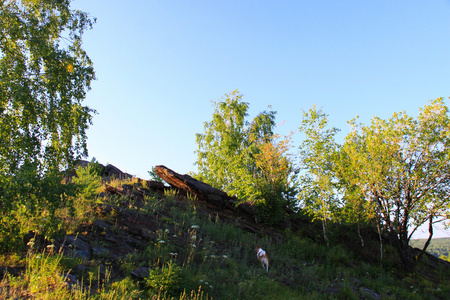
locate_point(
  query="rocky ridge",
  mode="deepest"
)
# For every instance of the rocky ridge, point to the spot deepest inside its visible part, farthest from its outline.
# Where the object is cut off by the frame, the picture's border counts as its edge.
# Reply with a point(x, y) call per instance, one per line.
point(118, 231)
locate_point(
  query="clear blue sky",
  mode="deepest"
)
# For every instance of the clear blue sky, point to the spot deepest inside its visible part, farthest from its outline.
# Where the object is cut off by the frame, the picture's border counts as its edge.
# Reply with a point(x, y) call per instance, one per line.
point(160, 63)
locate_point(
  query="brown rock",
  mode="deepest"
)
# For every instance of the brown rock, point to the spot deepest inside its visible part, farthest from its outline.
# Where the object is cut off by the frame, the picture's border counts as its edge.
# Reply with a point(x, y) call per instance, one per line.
point(203, 191)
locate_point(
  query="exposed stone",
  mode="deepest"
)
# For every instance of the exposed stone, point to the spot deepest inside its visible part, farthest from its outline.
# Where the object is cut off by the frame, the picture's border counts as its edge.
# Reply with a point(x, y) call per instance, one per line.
point(155, 185)
point(76, 246)
point(71, 172)
point(141, 273)
point(101, 224)
point(82, 268)
point(368, 294)
point(203, 191)
point(113, 171)
point(99, 251)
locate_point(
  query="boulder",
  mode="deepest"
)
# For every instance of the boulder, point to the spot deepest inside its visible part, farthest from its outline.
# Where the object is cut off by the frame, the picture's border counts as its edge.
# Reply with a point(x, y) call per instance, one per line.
point(203, 191)
point(114, 172)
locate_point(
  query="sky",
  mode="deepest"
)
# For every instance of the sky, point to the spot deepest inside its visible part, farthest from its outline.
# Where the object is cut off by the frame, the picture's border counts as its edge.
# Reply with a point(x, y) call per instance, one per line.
point(159, 64)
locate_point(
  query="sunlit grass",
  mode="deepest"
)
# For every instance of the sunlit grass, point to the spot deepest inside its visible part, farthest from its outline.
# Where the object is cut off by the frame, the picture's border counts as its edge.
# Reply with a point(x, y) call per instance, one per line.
point(211, 258)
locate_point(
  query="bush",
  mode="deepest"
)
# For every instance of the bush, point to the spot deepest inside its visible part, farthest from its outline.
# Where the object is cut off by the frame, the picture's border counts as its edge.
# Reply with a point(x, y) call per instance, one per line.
point(125, 289)
point(88, 182)
point(29, 200)
point(164, 279)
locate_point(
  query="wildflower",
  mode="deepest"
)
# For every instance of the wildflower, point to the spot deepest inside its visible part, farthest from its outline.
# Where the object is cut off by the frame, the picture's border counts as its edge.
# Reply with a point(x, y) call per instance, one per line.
point(194, 237)
point(41, 226)
point(173, 254)
point(224, 256)
point(201, 280)
point(193, 245)
point(174, 236)
point(213, 256)
point(166, 231)
point(195, 227)
point(161, 242)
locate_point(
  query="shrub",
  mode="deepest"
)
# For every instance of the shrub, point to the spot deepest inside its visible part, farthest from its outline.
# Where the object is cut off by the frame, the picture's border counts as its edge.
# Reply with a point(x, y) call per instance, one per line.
point(43, 279)
point(164, 279)
point(29, 200)
point(125, 289)
point(88, 182)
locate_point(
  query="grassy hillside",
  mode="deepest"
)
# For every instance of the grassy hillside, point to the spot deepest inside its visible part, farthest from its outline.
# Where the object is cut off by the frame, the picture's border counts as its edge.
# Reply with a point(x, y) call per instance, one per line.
point(138, 240)
point(439, 247)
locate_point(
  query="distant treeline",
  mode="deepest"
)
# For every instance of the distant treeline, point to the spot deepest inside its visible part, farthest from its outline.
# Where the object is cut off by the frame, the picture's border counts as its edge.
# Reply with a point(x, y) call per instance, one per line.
point(439, 247)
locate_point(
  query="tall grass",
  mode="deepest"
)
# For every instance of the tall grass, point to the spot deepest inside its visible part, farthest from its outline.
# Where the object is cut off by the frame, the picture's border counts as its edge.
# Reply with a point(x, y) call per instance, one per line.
point(197, 256)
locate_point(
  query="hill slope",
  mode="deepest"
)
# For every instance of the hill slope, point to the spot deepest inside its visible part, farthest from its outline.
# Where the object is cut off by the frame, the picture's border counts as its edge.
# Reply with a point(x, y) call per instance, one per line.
point(142, 240)
point(439, 247)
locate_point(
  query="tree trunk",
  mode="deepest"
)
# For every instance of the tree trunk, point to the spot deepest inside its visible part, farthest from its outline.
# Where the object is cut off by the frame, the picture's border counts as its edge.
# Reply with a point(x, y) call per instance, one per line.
point(381, 241)
point(359, 234)
point(324, 228)
point(430, 230)
point(403, 250)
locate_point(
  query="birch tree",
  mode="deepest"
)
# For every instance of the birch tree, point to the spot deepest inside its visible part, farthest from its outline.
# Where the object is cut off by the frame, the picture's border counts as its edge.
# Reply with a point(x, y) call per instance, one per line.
point(317, 160)
point(402, 167)
point(44, 77)
point(244, 158)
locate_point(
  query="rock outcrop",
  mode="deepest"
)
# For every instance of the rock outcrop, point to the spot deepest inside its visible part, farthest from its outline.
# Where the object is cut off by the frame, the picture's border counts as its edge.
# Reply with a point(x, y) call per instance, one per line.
point(203, 191)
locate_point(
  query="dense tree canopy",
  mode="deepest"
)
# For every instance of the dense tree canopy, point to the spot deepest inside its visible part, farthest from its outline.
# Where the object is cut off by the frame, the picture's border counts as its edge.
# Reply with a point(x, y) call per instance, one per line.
point(226, 151)
point(245, 158)
point(401, 166)
point(44, 76)
point(318, 155)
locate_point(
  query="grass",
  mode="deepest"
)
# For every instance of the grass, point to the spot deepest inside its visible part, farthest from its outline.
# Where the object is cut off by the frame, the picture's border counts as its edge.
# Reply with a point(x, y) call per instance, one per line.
point(195, 255)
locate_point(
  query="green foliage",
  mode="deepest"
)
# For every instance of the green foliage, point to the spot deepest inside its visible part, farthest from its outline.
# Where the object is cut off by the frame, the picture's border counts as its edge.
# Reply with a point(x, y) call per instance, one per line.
point(43, 278)
point(318, 152)
point(89, 184)
point(44, 76)
point(125, 289)
point(222, 264)
point(276, 178)
point(164, 279)
point(154, 176)
point(401, 167)
point(29, 201)
point(226, 149)
point(439, 247)
point(244, 158)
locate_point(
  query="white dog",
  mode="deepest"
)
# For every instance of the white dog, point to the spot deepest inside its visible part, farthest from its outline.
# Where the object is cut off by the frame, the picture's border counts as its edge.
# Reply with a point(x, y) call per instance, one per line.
point(263, 258)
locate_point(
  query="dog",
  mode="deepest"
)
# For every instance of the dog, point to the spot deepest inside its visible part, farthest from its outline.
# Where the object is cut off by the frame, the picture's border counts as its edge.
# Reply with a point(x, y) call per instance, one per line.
point(263, 258)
